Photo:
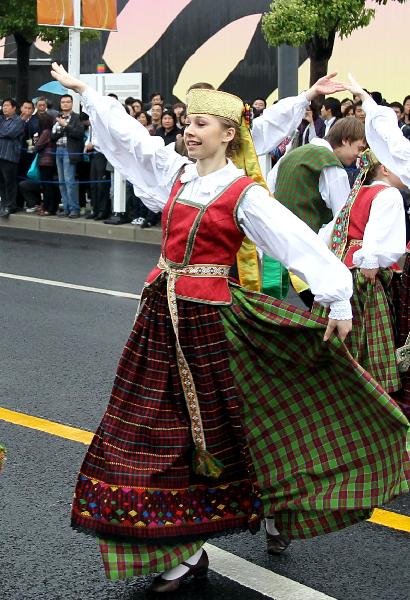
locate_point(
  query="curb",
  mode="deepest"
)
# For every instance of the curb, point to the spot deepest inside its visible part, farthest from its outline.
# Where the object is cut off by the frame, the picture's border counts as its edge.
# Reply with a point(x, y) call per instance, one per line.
point(85, 227)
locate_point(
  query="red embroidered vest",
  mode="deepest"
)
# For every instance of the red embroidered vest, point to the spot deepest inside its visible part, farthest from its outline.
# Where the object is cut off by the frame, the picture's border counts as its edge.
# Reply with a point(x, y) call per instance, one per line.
point(359, 216)
point(193, 234)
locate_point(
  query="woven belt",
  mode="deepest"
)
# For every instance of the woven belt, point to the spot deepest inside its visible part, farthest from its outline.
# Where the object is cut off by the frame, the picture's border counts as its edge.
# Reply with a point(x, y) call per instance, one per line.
point(204, 463)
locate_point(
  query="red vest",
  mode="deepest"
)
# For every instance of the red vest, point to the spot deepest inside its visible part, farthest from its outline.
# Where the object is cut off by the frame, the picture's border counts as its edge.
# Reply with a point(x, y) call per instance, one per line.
point(359, 216)
point(193, 234)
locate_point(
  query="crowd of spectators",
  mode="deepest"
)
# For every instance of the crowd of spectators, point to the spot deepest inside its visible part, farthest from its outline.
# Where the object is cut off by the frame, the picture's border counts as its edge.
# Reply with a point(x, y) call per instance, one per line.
point(72, 179)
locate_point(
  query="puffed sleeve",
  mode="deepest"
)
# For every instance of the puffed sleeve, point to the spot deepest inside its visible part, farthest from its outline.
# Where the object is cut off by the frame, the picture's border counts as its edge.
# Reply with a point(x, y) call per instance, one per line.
point(386, 140)
point(141, 158)
point(384, 239)
point(277, 122)
point(282, 235)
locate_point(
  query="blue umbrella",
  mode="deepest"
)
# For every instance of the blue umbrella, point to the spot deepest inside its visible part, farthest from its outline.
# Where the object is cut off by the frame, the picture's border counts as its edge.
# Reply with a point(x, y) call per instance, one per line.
point(53, 87)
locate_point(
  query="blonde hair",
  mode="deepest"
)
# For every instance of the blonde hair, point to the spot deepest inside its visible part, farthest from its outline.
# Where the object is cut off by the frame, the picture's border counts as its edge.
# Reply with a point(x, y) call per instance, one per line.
point(234, 145)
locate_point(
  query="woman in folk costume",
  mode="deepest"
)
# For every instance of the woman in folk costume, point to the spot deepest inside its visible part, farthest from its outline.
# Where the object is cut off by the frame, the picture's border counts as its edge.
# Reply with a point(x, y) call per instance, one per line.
point(227, 405)
point(393, 150)
point(369, 236)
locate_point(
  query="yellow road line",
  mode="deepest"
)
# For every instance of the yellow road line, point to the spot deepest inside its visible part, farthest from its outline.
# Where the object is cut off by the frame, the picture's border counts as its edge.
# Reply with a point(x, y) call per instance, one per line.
point(390, 519)
point(64, 431)
point(379, 517)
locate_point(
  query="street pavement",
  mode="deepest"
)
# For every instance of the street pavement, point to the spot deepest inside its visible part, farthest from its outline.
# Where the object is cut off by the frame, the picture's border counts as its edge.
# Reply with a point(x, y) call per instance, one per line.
point(59, 348)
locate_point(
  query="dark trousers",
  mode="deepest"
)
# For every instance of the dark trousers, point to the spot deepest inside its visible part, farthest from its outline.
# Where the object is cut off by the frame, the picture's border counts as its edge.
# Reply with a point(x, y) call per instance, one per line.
point(25, 163)
point(51, 191)
point(83, 176)
point(30, 192)
point(8, 184)
point(100, 192)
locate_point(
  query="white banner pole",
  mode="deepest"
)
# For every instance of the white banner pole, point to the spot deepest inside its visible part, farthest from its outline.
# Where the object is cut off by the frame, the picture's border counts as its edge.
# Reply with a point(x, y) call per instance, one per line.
point(74, 49)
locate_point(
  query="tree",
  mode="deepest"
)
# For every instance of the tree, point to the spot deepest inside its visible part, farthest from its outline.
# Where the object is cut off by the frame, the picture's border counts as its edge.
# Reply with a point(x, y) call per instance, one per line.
point(19, 19)
point(315, 23)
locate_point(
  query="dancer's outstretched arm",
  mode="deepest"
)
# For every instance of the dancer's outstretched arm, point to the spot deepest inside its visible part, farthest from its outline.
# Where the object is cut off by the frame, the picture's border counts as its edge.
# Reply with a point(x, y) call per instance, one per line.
point(282, 119)
point(142, 159)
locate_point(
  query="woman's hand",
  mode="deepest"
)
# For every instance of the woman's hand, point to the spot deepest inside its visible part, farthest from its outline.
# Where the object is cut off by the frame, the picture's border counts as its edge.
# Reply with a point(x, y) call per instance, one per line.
point(342, 328)
point(356, 89)
point(59, 73)
point(325, 85)
point(370, 275)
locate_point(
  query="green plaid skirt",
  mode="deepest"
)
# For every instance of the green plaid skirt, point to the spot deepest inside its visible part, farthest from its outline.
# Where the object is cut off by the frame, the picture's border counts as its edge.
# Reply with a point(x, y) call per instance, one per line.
point(372, 340)
point(327, 442)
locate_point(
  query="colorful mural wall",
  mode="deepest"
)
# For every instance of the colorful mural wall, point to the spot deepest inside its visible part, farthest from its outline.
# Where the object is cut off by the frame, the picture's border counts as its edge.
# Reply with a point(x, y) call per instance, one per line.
point(177, 42)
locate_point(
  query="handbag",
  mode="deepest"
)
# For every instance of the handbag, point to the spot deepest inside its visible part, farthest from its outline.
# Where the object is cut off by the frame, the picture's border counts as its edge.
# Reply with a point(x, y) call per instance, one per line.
point(34, 170)
point(403, 356)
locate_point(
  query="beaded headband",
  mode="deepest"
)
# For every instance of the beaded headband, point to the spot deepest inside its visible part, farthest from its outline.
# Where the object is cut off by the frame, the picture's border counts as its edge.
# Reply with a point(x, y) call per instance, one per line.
point(216, 103)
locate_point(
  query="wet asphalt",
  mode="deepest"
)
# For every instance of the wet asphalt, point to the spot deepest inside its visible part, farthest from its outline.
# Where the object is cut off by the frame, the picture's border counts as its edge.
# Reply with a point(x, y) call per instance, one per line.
point(58, 353)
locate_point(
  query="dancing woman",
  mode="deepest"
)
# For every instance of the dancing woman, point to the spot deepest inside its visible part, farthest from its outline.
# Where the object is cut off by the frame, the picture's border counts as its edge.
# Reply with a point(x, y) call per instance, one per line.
point(227, 405)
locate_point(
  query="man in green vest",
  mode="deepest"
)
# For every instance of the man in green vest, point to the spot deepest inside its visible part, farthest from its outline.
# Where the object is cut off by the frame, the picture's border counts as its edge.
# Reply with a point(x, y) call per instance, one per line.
point(311, 180)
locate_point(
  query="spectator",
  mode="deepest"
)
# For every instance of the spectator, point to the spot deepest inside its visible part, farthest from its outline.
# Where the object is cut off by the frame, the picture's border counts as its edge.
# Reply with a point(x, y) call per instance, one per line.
point(359, 112)
point(406, 106)
point(345, 103)
point(42, 106)
point(100, 182)
point(145, 119)
point(312, 126)
point(31, 132)
point(156, 98)
point(11, 135)
point(377, 97)
point(330, 112)
point(399, 110)
point(258, 105)
point(178, 108)
point(348, 111)
point(156, 116)
point(168, 130)
point(46, 150)
point(68, 133)
point(136, 108)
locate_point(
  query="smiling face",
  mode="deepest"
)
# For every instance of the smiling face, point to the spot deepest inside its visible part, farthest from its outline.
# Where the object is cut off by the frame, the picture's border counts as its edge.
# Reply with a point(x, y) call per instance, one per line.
point(205, 136)
point(349, 152)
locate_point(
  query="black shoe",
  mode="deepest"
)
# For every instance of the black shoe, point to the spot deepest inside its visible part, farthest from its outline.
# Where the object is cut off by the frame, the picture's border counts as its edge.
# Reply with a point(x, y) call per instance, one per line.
point(5, 213)
point(145, 224)
point(117, 220)
point(199, 571)
point(74, 216)
point(100, 217)
point(276, 544)
point(90, 215)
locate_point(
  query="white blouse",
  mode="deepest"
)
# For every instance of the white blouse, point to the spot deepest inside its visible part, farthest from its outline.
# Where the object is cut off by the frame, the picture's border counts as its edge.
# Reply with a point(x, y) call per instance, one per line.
point(384, 238)
point(152, 167)
point(386, 139)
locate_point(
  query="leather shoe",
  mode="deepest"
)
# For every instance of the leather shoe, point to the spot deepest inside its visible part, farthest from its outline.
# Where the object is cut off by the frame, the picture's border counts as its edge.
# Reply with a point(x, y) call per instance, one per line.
point(90, 215)
point(276, 544)
point(199, 571)
point(100, 217)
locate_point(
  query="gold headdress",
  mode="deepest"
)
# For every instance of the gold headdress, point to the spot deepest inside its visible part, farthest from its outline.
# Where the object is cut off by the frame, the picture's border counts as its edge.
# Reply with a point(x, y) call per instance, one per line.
point(216, 103)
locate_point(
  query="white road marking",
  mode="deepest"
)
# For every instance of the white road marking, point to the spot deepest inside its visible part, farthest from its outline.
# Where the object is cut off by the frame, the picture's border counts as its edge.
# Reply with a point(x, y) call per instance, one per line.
point(259, 579)
point(72, 286)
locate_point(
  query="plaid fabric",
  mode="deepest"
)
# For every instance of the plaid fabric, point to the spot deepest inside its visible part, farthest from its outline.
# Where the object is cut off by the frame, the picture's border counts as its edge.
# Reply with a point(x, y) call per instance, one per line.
point(124, 559)
point(372, 339)
point(2, 456)
point(403, 326)
point(137, 478)
point(327, 443)
point(297, 184)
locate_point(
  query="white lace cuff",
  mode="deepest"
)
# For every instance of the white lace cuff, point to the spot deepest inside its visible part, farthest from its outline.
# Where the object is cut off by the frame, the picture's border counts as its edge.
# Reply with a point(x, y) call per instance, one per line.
point(365, 262)
point(340, 310)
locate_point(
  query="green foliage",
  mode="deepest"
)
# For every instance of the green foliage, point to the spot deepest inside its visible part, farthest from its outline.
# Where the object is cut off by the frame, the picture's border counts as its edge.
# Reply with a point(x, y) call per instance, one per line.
point(295, 22)
point(20, 17)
